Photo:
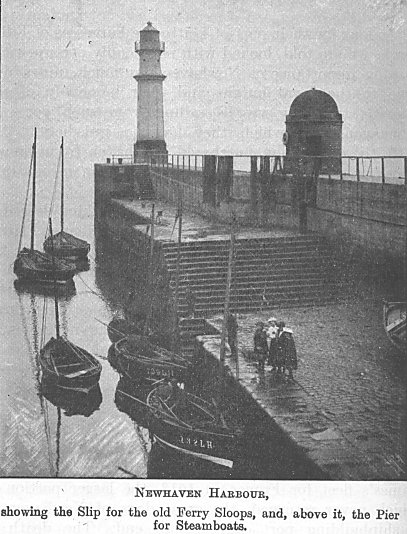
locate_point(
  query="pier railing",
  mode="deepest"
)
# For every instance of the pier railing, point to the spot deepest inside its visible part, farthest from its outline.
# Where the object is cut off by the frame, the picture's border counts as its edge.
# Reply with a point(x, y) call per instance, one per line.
point(364, 187)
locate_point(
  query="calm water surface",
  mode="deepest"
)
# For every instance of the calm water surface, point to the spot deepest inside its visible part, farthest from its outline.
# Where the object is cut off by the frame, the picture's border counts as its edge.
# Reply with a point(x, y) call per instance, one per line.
point(48, 434)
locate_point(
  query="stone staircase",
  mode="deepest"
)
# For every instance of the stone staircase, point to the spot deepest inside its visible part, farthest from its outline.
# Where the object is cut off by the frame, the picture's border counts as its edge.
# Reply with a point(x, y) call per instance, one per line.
point(268, 273)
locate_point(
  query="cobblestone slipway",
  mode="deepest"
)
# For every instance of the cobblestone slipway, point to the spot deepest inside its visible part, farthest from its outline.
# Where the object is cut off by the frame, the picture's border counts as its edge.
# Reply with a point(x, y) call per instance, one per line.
point(347, 404)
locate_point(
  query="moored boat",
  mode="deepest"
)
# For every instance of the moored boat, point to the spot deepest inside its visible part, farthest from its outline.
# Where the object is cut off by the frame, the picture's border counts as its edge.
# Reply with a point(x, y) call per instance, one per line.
point(66, 365)
point(189, 424)
point(36, 267)
point(63, 363)
point(394, 319)
point(63, 244)
point(139, 359)
point(31, 265)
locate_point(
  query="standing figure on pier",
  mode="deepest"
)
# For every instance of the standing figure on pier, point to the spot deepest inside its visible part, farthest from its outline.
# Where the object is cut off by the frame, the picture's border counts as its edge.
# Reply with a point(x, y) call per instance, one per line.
point(190, 298)
point(260, 345)
point(232, 327)
point(272, 341)
point(286, 350)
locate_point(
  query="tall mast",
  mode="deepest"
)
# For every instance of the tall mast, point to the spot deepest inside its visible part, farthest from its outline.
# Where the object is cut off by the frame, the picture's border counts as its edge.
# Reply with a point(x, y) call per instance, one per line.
point(178, 250)
point(150, 273)
point(33, 191)
point(55, 280)
point(226, 315)
point(62, 184)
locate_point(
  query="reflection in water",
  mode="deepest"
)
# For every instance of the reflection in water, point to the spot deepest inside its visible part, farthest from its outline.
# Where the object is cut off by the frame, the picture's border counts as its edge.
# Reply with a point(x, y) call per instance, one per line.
point(73, 402)
point(64, 292)
point(130, 398)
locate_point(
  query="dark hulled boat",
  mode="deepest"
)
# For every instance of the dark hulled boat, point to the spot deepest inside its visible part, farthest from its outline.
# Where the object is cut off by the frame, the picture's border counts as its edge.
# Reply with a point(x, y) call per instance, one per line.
point(32, 265)
point(63, 363)
point(395, 324)
point(139, 359)
point(189, 424)
point(66, 245)
point(36, 267)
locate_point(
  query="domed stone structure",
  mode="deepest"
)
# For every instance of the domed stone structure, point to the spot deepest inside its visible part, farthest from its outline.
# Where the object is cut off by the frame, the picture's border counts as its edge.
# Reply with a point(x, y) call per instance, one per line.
point(314, 128)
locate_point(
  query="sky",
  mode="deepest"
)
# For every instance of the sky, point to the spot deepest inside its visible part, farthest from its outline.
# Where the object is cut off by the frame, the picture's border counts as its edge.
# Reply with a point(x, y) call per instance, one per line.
point(233, 68)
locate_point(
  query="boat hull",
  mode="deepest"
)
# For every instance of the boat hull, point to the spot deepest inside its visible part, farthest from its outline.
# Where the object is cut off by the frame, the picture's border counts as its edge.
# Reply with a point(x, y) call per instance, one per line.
point(395, 324)
point(214, 443)
point(67, 246)
point(144, 362)
point(66, 365)
point(37, 267)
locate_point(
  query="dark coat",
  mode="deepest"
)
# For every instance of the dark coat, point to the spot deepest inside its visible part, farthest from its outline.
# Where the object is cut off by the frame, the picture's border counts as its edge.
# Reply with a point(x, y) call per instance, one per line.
point(286, 351)
point(260, 341)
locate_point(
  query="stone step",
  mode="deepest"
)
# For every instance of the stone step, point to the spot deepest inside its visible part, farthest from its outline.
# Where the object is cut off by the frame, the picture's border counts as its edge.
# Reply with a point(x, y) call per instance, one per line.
point(258, 305)
point(298, 277)
point(252, 292)
point(210, 268)
point(243, 242)
point(242, 252)
point(239, 260)
point(253, 279)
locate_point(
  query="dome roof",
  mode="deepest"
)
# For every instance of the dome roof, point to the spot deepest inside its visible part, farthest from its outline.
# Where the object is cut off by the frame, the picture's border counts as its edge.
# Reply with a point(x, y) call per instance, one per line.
point(149, 28)
point(313, 102)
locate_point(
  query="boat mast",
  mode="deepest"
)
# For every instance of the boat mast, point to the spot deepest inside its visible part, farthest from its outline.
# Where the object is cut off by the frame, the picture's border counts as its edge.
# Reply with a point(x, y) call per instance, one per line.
point(150, 273)
point(226, 313)
point(55, 280)
point(62, 184)
point(179, 214)
point(33, 191)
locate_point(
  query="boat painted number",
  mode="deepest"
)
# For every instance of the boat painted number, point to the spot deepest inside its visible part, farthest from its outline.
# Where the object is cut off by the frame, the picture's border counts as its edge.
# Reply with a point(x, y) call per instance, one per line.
point(151, 371)
point(198, 443)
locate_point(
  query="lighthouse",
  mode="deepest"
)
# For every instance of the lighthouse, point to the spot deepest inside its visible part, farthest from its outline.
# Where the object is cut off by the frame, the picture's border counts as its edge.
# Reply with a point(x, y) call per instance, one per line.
point(150, 108)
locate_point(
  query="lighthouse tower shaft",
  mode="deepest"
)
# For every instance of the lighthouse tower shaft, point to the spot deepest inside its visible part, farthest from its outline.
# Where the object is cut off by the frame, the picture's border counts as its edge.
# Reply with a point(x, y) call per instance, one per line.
point(150, 108)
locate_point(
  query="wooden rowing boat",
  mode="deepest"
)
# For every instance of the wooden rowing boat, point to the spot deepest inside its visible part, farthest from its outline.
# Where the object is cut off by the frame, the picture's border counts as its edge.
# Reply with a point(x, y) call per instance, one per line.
point(63, 363)
point(189, 424)
point(394, 319)
point(66, 365)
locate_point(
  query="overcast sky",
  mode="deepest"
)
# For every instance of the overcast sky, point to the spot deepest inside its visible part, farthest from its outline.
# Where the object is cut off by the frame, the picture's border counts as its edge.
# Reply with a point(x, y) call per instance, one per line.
point(233, 68)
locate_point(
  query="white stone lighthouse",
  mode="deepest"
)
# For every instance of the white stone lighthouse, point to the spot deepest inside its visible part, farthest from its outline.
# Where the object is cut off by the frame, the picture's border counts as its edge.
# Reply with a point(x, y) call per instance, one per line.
point(150, 108)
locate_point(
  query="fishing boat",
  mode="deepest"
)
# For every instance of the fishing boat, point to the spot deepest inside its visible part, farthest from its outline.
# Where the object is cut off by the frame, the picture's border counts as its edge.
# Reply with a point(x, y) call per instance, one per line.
point(33, 265)
point(120, 327)
point(139, 359)
point(63, 363)
point(189, 424)
point(394, 319)
point(66, 245)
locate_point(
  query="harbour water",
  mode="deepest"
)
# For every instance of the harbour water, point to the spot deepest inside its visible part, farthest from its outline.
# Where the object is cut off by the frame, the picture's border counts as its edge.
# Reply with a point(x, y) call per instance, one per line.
point(45, 433)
